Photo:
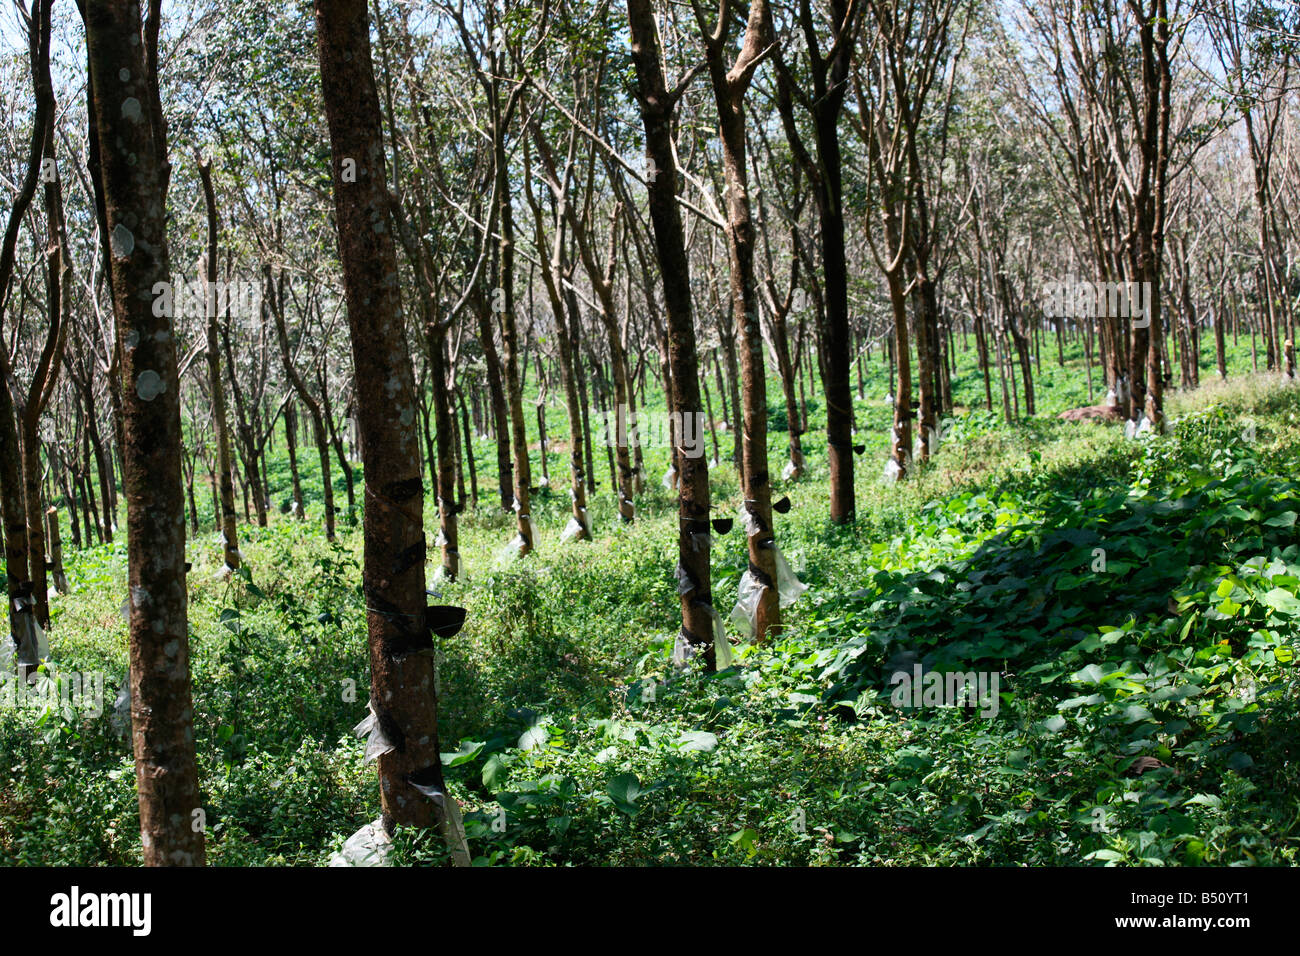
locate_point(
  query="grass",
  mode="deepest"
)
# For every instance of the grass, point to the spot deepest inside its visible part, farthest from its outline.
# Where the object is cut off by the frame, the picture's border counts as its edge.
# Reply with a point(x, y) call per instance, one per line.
point(1146, 716)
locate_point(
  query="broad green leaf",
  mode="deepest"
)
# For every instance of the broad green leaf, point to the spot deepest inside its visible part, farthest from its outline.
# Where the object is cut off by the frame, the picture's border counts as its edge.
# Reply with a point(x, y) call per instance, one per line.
point(697, 740)
point(1052, 725)
point(533, 737)
point(623, 791)
point(1092, 674)
point(494, 772)
point(1074, 702)
point(469, 749)
point(1283, 601)
point(1135, 712)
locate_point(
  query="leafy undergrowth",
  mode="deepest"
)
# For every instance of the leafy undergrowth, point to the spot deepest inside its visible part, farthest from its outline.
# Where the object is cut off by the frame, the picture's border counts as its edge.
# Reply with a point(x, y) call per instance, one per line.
point(1136, 601)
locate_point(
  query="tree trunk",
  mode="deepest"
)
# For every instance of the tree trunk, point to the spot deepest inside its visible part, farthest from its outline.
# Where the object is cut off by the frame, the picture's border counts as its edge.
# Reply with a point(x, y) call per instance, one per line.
point(622, 427)
point(104, 467)
point(22, 618)
point(56, 549)
point(900, 440)
point(226, 517)
point(729, 87)
point(510, 336)
point(575, 355)
point(135, 173)
point(403, 698)
point(88, 495)
point(444, 428)
point(35, 509)
point(923, 312)
point(500, 411)
point(249, 446)
point(468, 445)
point(699, 619)
point(291, 443)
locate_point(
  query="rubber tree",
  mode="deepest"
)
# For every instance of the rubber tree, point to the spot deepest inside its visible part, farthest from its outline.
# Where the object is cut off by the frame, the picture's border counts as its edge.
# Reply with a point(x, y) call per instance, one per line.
point(730, 83)
point(882, 124)
point(403, 698)
point(134, 174)
point(33, 401)
point(216, 389)
point(501, 110)
point(22, 617)
point(823, 101)
point(413, 219)
point(552, 269)
point(657, 104)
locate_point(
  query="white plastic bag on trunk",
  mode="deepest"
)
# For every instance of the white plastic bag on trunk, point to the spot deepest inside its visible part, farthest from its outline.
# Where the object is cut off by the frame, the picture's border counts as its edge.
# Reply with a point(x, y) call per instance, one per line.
point(369, 846)
point(721, 646)
point(377, 743)
point(745, 614)
point(788, 585)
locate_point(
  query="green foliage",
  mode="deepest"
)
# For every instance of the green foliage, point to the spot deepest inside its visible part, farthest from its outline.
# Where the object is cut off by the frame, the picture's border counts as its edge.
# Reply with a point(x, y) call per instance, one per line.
point(1147, 711)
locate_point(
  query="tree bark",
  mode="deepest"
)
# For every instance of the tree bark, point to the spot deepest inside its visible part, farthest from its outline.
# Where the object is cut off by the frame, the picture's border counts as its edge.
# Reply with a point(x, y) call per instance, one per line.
point(656, 104)
point(22, 617)
point(729, 86)
point(226, 516)
point(497, 399)
point(135, 173)
point(403, 697)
